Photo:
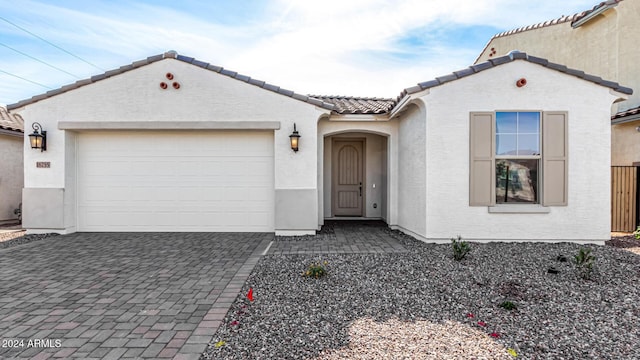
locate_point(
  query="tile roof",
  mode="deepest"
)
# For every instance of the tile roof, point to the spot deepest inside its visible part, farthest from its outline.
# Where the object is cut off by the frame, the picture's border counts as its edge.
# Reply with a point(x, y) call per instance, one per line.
point(563, 19)
point(338, 104)
point(358, 105)
point(634, 112)
point(13, 122)
point(513, 56)
point(174, 55)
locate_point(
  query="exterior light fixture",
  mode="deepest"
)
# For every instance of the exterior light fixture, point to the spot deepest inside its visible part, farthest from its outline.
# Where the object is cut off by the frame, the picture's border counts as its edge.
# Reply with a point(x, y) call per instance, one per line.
point(294, 138)
point(38, 138)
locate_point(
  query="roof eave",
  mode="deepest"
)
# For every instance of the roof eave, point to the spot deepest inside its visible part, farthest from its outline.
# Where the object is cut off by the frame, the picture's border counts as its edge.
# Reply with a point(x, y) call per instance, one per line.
point(11, 132)
point(174, 55)
point(590, 16)
point(625, 119)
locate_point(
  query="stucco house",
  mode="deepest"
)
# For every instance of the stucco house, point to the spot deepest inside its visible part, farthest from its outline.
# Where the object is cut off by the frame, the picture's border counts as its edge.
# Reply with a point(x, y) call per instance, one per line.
point(497, 151)
point(11, 166)
point(602, 41)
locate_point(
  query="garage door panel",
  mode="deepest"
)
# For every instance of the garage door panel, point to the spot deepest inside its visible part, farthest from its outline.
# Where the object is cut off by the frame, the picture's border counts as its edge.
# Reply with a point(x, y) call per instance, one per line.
point(180, 181)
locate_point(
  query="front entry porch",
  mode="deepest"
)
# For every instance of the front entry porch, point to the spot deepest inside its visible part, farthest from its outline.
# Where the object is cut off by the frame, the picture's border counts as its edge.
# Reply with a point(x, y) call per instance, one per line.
point(355, 176)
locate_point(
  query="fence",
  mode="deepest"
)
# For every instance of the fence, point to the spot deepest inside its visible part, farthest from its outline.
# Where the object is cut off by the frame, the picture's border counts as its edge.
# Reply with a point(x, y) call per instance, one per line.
point(624, 194)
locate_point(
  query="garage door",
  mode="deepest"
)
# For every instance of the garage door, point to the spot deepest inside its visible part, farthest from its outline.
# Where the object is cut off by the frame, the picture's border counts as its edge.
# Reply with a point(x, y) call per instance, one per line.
point(175, 181)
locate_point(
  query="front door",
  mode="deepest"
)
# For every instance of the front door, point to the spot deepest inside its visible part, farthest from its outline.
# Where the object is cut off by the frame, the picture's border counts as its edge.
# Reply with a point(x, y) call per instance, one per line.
point(347, 170)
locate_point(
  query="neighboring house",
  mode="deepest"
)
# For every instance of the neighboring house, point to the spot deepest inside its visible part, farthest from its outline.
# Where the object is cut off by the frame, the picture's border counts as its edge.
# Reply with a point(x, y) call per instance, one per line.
point(171, 143)
point(11, 166)
point(602, 41)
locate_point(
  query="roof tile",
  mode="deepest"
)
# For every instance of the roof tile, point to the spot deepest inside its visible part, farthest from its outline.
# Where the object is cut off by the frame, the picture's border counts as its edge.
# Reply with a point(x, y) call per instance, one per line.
point(538, 60)
point(242, 78)
point(464, 72)
point(13, 122)
point(256, 82)
point(575, 72)
point(285, 92)
point(429, 84)
point(629, 112)
point(185, 58)
point(155, 58)
point(358, 105)
point(228, 72)
point(447, 78)
point(214, 68)
point(563, 19)
point(339, 104)
point(482, 66)
point(139, 63)
point(199, 63)
point(271, 87)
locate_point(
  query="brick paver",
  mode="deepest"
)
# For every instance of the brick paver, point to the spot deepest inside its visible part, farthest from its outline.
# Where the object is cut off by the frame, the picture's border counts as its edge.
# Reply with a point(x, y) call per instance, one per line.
point(341, 237)
point(143, 295)
point(121, 295)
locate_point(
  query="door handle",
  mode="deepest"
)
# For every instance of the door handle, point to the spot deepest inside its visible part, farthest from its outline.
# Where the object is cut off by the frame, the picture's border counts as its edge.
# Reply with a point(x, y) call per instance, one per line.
point(361, 189)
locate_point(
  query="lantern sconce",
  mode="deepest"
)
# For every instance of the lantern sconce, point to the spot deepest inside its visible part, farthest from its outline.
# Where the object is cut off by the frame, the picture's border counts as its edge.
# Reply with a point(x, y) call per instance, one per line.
point(38, 138)
point(294, 138)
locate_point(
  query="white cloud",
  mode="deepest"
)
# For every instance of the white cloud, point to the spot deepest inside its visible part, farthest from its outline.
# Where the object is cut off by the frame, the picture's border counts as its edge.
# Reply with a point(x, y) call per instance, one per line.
point(355, 47)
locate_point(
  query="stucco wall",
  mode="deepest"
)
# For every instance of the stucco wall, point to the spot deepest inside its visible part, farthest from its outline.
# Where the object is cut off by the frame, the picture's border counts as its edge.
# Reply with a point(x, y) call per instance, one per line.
point(605, 46)
point(625, 144)
point(11, 175)
point(412, 193)
point(587, 216)
point(203, 96)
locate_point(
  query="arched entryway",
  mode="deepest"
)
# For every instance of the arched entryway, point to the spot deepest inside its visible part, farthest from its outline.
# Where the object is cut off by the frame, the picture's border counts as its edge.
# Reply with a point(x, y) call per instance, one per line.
point(355, 175)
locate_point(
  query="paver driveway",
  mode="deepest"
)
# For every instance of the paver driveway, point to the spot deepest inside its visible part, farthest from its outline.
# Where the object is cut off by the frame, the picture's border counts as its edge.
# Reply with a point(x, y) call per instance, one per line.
point(119, 295)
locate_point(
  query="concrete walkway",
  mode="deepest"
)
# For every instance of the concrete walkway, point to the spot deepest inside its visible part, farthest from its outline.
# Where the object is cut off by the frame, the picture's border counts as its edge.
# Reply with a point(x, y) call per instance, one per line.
point(128, 295)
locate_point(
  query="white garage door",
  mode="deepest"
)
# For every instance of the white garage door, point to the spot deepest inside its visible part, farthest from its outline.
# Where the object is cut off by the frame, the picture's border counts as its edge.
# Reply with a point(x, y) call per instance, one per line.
point(176, 181)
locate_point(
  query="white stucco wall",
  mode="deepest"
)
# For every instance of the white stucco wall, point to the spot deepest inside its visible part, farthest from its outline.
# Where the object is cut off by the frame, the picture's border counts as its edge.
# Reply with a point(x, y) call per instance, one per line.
point(587, 216)
point(412, 174)
point(203, 96)
point(11, 175)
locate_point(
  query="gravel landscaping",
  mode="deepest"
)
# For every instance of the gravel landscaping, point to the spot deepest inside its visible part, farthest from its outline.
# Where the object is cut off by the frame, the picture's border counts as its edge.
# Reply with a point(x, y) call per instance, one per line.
point(425, 305)
point(10, 239)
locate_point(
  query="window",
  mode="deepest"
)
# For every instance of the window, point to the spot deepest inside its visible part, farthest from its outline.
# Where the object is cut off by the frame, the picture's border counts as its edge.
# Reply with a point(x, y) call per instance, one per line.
point(518, 158)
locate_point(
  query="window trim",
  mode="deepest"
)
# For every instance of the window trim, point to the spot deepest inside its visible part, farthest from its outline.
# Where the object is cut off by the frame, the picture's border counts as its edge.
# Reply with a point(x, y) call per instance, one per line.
point(554, 171)
point(539, 190)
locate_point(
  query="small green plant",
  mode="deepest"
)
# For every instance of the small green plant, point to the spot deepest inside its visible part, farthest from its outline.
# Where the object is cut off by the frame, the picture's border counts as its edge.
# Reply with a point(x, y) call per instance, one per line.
point(637, 233)
point(460, 248)
point(584, 262)
point(316, 270)
point(508, 305)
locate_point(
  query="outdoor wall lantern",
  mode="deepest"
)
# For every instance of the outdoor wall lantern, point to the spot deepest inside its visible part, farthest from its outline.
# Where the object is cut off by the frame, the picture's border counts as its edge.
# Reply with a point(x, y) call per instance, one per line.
point(38, 139)
point(294, 138)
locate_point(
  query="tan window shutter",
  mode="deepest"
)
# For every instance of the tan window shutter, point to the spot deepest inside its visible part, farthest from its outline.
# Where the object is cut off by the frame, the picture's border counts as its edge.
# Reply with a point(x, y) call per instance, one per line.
point(482, 171)
point(554, 158)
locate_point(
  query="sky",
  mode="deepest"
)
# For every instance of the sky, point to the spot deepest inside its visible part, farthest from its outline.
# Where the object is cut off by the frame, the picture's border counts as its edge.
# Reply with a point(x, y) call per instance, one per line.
point(369, 48)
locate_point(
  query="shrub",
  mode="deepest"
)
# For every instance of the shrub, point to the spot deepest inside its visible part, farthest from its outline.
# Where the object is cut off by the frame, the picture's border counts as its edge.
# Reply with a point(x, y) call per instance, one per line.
point(637, 233)
point(508, 305)
point(584, 262)
point(316, 270)
point(460, 248)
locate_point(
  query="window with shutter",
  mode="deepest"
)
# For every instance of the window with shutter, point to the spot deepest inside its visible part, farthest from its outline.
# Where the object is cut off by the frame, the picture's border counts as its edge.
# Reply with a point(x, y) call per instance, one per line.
point(518, 158)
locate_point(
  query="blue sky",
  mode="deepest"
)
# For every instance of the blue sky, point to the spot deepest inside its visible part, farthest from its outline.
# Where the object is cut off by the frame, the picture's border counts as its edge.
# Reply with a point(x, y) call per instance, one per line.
point(330, 47)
